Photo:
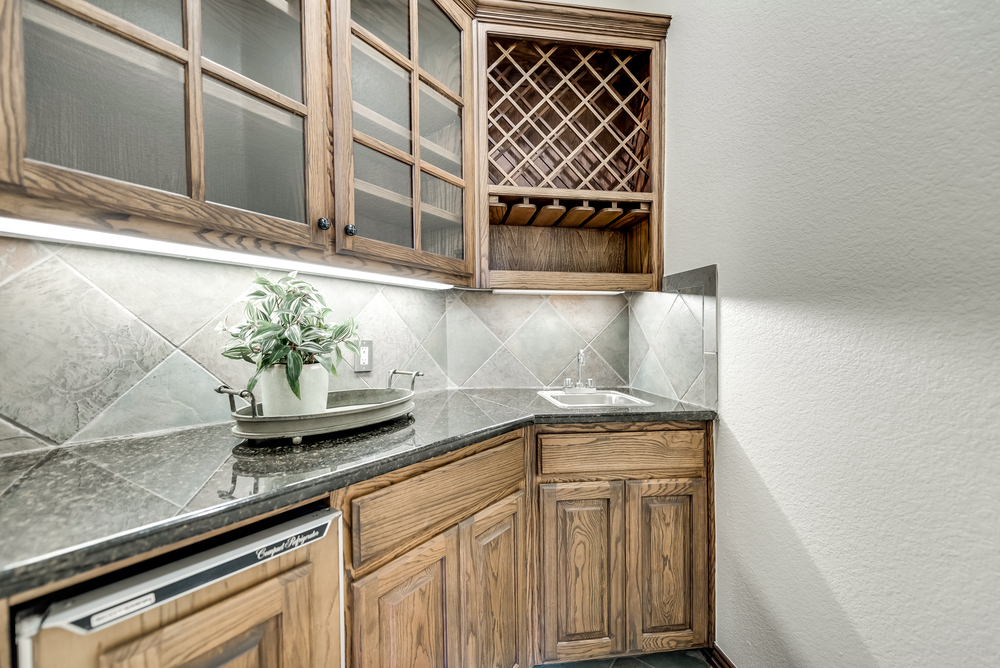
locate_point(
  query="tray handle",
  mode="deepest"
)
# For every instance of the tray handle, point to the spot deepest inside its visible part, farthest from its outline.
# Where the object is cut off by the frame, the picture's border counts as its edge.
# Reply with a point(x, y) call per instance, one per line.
point(412, 374)
point(246, 395)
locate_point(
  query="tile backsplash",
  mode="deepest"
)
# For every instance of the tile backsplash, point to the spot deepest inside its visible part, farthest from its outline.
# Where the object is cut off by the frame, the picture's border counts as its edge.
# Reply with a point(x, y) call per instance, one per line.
point(672, 338)
point(96, 344)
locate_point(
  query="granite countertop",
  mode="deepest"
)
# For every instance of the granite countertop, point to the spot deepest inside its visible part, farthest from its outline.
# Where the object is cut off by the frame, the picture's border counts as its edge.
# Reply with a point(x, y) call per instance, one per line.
point(67, 510)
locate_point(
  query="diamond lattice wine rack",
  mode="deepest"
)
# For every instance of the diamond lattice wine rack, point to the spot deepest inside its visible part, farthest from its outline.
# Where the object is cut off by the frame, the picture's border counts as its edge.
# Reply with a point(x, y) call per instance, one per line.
point(568, 116)
point(571, 162)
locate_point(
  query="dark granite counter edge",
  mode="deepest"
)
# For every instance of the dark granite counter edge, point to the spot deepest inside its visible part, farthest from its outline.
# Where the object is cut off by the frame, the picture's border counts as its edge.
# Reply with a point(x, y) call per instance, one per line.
point(52, 567)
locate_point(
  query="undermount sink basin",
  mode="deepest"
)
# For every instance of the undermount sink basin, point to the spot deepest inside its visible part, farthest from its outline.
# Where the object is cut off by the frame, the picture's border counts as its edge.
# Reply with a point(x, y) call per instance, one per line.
point(564, 399)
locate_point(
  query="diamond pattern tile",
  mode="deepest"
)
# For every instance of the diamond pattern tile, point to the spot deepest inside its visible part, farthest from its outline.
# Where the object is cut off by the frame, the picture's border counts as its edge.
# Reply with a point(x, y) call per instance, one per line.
point(419, 309)
point(503, 314)
point(651, 378)
point(14, 440)
point(178, 393)
point(650, 309)
point(392, 341)
point(613, 344)
point(470, 343)
point(638, 346)
point(74, 365)
point(545, 344)
point(679, 347)
point(173, 296)
point(502, 369)
point(17, 255)
point(587, 314)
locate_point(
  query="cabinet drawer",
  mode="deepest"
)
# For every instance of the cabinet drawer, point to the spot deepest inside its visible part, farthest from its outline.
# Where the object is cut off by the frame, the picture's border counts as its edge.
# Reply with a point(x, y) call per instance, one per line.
point(649, 453)
point(411, 511)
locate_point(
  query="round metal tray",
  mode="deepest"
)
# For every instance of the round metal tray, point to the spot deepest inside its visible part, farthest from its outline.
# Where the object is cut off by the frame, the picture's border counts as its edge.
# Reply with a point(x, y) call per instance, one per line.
point(346, 409)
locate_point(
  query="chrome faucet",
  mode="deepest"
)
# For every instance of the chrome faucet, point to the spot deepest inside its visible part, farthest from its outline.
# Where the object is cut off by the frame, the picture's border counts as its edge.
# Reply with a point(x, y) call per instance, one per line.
point(568, 385)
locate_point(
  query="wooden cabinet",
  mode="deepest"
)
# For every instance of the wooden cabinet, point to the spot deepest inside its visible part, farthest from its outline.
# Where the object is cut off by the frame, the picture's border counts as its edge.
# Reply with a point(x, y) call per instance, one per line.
point(458, 599)
point(626, 558)
point(494, 566)
point(570, 157)
point(207, 113)
point(492, 144)
point(403, 146)
point(407, 612)
point(583, 570)
point(283, 613)
point(667, 564)
point(439, 559)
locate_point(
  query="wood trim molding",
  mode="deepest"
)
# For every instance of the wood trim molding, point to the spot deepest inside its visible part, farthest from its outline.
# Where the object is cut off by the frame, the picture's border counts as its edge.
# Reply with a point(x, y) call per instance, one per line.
point(606, 22)
point(716, 658)
point(13, 133)
point(468, 6)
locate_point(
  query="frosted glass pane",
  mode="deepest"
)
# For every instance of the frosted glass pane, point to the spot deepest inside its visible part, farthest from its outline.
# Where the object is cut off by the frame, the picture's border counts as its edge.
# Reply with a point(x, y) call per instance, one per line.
point(381, 92)
point(440, 131)
point(441, 230)
point(102, 105)
point(160, 17)
point(383, 197)
point(254, 154)
point(440, 45)
point(260, 39)
point(389, 20)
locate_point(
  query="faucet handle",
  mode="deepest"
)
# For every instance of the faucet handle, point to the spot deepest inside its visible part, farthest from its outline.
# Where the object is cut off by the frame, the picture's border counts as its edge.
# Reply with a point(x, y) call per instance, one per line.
point(590, 383)
point(568, 383)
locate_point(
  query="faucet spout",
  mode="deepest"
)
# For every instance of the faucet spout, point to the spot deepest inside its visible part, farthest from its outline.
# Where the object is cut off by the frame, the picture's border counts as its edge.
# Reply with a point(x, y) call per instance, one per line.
point(579, 368)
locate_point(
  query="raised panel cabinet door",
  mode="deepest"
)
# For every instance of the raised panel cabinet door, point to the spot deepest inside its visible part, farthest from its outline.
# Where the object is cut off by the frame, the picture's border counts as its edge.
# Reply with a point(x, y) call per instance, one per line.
point(583, 570)
point(667, 597)
point(406, 614)
point(494, 588)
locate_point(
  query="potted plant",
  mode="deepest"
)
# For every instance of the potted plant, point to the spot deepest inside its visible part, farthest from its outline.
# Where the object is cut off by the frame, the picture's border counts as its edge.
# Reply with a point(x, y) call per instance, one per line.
point(287, 334)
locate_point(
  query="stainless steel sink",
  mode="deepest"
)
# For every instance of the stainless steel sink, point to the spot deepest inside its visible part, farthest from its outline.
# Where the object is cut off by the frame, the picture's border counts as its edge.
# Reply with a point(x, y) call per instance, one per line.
point(564, 399)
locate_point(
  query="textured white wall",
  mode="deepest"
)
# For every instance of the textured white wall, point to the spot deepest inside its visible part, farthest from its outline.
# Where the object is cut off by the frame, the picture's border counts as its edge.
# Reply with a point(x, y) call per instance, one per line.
point(840, 161)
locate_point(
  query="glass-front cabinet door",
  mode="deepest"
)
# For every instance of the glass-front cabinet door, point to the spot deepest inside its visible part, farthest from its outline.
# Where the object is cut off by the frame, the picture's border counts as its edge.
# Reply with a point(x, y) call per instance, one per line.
point(207, 112)
point(402, 102)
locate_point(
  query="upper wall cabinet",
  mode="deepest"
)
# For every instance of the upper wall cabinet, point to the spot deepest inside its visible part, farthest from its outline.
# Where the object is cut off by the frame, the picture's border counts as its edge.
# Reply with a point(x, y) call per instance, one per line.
point(486, 143)
point(402, 107)
point(570, 157)
point(211, 113)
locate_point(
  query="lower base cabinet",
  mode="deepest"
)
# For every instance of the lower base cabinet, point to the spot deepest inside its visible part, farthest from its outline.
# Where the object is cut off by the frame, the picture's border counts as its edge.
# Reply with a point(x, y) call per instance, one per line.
point(624, 567)
point(583, 570)
point(406, 613)
point(625, 560)
point(456, 600)
point(667, 598)
point(494, 586)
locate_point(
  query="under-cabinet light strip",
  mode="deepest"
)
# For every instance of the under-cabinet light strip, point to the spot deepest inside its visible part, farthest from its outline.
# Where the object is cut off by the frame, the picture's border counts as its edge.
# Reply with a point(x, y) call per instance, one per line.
point(26, 229)
point(559, 292)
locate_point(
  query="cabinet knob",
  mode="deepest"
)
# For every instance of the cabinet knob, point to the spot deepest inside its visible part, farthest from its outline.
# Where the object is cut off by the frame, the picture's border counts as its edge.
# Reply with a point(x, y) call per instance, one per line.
point(324, 223)
point(350, 230)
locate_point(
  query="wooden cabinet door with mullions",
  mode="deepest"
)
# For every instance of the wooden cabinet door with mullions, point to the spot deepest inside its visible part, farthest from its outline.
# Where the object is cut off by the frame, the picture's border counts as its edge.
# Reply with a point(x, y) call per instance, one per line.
point(402, 140)
point(209, 113)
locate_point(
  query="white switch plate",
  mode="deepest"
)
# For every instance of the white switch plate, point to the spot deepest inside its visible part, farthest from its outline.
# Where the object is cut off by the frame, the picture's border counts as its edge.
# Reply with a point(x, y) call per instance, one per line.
point(363, 360)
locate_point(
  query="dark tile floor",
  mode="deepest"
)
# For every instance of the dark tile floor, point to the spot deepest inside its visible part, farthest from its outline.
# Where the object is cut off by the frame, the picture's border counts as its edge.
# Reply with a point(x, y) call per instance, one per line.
point(690, 659)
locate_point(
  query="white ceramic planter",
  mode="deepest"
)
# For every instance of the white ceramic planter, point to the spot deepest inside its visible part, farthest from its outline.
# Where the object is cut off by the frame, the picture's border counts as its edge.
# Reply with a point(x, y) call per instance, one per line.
point(278, 399)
